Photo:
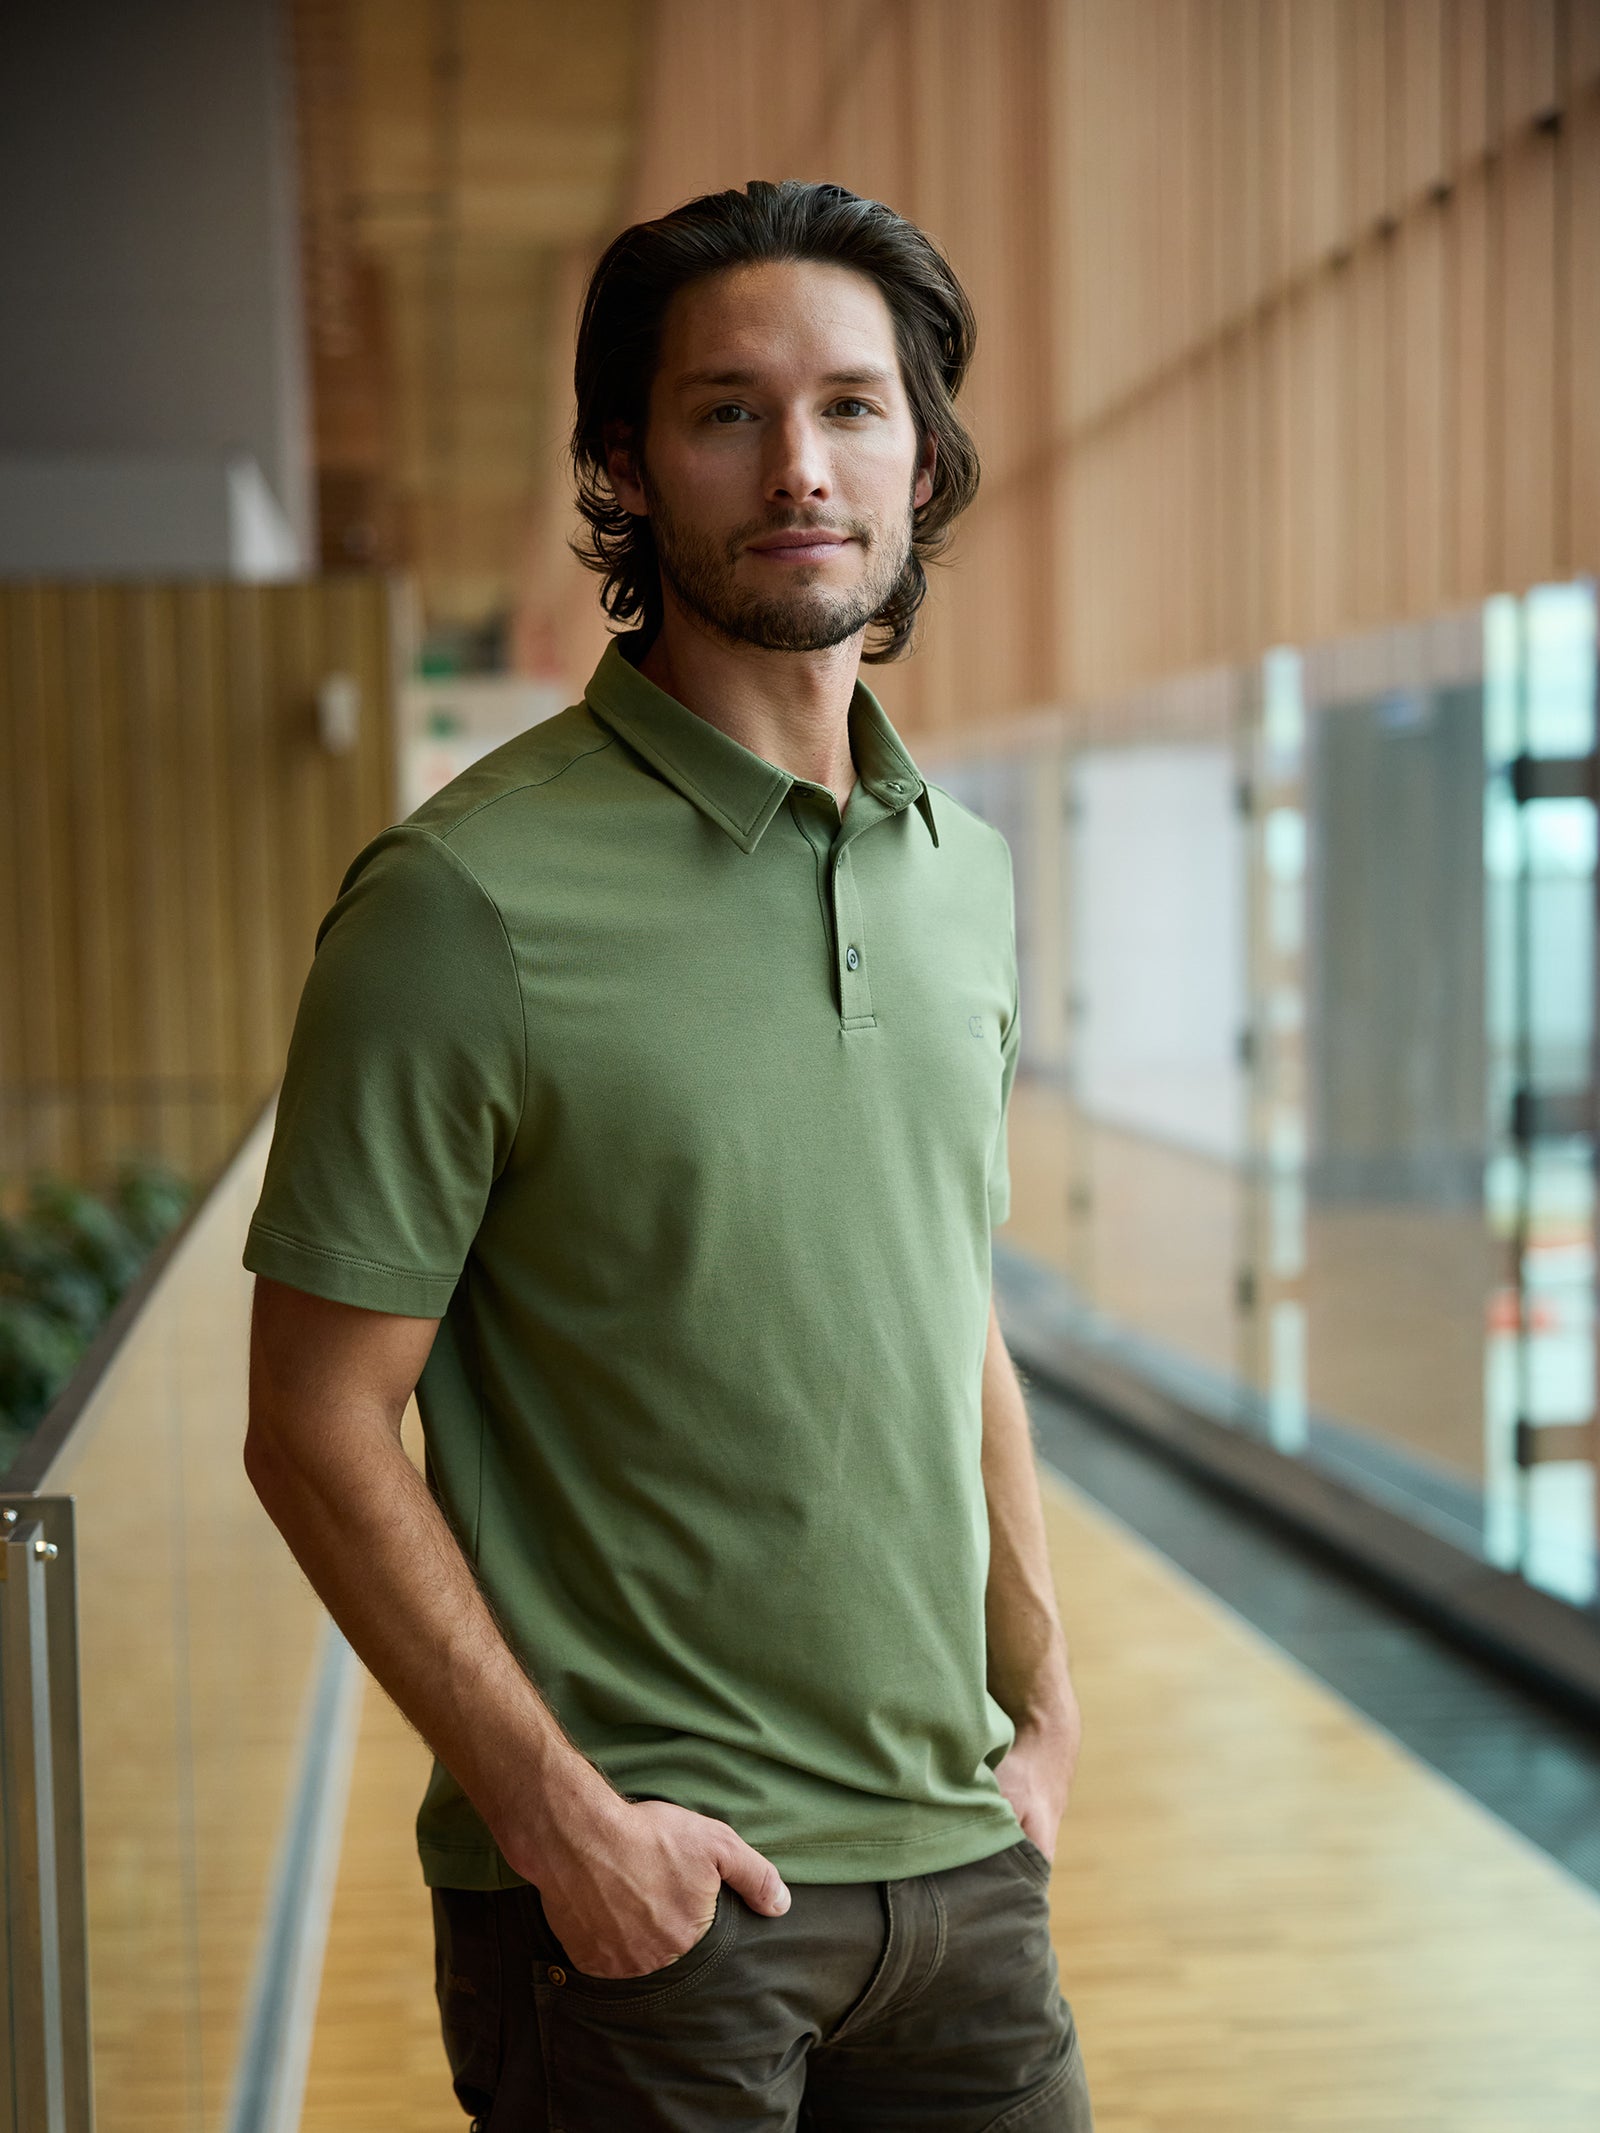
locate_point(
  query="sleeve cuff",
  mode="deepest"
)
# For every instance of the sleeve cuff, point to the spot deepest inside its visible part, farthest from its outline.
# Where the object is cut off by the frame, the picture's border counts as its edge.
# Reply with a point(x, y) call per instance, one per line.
point(342, 1278)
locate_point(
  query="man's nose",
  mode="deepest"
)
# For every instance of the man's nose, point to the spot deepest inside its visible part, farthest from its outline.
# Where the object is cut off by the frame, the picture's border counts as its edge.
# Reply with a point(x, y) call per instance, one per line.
point(796, 470)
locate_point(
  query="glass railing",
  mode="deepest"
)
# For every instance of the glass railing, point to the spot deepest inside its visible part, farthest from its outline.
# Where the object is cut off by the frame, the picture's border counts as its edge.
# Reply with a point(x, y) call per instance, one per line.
point(165, 1682)
point(1304, 1128)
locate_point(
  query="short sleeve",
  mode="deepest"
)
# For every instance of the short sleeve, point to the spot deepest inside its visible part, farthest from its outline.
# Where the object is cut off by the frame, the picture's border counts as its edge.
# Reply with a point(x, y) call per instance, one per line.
point(403, 1087)
point(999, 1167)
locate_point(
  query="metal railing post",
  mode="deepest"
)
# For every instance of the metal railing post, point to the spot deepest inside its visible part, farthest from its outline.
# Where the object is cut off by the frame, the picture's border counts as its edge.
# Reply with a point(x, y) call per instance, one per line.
point(44, 2030)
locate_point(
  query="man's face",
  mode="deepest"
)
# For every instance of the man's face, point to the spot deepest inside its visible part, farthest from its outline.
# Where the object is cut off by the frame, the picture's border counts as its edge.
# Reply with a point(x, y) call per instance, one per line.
point(777, 408)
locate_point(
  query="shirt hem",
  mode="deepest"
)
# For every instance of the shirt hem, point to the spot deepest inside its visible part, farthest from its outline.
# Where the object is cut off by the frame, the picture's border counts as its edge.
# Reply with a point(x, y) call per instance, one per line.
point(851, 1859)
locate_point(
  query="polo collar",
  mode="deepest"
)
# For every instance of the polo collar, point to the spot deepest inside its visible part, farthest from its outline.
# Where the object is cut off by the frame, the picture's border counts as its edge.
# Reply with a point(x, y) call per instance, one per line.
point(735, 788)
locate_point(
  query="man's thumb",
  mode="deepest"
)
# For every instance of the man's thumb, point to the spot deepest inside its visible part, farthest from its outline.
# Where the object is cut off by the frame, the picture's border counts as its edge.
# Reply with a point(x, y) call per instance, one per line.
point(758, 1881)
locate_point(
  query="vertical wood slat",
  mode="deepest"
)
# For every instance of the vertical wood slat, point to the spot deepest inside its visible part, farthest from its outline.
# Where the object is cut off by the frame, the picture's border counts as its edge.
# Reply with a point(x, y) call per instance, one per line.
point(172, 832)
point(1579, 417)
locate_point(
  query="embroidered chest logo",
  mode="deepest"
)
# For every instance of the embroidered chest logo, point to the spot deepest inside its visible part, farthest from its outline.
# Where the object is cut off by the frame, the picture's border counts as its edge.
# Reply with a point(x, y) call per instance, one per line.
point(975, 1024)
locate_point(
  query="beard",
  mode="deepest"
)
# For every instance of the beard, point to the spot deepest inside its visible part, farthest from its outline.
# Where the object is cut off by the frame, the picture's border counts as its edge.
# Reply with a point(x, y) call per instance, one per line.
point(699, 568)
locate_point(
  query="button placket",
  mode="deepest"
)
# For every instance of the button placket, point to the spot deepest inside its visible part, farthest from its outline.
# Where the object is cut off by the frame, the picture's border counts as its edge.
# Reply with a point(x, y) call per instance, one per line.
point(855, 989)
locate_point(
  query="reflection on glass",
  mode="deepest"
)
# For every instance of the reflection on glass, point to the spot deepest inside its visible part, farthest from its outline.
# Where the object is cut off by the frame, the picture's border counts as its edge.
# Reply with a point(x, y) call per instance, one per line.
point(1304, 1123)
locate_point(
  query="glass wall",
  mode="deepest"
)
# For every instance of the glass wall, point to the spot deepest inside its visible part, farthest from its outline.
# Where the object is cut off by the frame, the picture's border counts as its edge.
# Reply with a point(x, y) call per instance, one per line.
point(1303, 1126)
point(199, 1647)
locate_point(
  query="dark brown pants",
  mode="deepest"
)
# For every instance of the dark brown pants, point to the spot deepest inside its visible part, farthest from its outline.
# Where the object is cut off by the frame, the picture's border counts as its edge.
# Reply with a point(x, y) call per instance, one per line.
point(930, 2005)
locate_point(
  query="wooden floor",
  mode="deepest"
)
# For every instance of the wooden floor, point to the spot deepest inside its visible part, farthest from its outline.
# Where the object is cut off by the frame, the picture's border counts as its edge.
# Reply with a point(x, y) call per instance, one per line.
point(1268, 1916)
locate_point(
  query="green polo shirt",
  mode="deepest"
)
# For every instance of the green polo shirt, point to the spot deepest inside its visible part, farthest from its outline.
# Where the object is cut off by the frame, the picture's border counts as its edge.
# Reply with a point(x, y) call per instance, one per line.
point(680, 1101)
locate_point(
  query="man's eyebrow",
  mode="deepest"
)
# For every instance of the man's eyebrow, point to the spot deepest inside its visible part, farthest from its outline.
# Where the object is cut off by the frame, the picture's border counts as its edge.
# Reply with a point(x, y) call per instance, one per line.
point(688, 379)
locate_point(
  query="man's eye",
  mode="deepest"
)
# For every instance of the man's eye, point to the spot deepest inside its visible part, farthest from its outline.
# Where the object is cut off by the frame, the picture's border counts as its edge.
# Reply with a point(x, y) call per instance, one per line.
point(729, 407)
point(860, 405)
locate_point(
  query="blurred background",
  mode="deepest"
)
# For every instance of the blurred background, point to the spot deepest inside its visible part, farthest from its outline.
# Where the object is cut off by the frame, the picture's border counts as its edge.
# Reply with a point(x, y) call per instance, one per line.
point(1270, 644)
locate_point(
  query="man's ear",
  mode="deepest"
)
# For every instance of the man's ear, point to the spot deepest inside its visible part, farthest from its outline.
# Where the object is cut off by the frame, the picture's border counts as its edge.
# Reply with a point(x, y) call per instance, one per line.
point(622, 468)
point(922, 489)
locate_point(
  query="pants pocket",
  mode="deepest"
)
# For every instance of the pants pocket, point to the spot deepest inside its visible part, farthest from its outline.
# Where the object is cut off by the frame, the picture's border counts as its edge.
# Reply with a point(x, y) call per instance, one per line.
point(633, 2051)
point(470, 1990)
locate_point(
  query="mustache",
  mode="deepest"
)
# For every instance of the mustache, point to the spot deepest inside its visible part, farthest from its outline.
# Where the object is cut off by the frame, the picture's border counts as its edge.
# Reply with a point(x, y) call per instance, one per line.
point(850, 529)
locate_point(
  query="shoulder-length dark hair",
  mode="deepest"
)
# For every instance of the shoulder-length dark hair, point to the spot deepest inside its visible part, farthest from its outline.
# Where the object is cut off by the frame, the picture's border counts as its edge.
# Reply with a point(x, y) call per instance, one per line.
point(619, 340)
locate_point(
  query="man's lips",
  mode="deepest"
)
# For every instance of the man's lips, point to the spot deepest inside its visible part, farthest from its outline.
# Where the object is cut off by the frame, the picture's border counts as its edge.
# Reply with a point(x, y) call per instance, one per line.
point(809, 545)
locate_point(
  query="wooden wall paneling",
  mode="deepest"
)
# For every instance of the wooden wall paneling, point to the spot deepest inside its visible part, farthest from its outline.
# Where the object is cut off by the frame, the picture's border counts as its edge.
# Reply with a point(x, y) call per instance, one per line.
point(159, 855)
point(1166, 117)
point(1250, 547)
point(1563, 553)
point(1020, 94)
point(1242, 557)
point(1162, 592)
point(1528, 63)
point(1243, 138)
point(1368, 443)
point(927, 700)
point(1277, 191)
point(880, 106)
point(1202, 296)
point(1580, 277)
point(14, 1007)
point(1087, 311)
point(1106, 500)
point(1300, 466)
point(1272, 503)
point(1354, 447)
point(1073, 508)
point(74, 793)
point(43, 931)
point(304, 825)
point(1417, 149)
point(1324, 77)
point(209, 959)
point(1168, 587)
point(1331, 382)
point(170, 1024)
point(1475, 569)
point(1468, 116)
point(1578, 58)
point(134, 929)
point(55, 802)
point(254, 858)
point(1302, 98)
point(1366, 84)
point(1205, 529)
point(1086, 182)
point(664, 157)
point(1060, 185)
point(116, 871)
point(1226, 504)
point(1526, 337)
point(1420, 359)
point(1125, 264)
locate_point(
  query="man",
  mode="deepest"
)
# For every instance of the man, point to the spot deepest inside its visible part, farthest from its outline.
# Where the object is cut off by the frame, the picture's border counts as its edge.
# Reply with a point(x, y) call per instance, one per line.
point(646, 1112)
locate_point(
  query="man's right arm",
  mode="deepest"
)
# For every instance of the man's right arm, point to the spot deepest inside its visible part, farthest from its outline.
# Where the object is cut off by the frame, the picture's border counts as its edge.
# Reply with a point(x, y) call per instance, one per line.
point(623, 1882)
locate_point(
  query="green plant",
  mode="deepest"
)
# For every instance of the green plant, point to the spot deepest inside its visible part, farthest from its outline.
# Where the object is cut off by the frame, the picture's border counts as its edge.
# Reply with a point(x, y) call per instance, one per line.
point(64, 1262)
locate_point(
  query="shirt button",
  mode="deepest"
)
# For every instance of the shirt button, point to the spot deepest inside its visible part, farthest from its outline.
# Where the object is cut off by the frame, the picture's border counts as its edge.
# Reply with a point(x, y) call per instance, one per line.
point(851, 958)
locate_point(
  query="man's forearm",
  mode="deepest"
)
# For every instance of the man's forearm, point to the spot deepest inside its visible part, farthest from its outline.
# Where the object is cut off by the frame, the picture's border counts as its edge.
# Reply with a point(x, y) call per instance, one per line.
point(375, 1546)
point(1028, 1671)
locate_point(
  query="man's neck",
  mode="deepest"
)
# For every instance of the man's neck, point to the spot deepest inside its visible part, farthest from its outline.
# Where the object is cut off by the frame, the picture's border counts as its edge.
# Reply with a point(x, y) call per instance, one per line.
point(792, 708)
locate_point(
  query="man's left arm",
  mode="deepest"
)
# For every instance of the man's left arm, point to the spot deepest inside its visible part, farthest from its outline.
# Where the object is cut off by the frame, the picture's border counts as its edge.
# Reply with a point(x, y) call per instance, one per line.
point(1028, 1674)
